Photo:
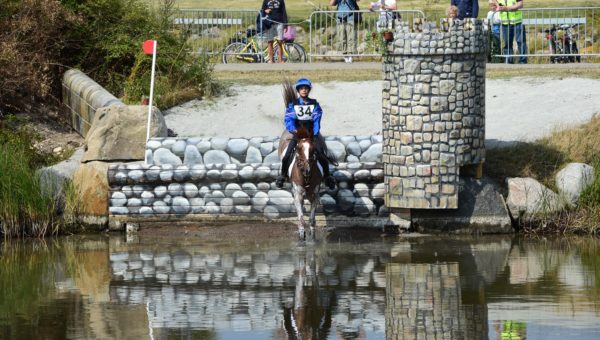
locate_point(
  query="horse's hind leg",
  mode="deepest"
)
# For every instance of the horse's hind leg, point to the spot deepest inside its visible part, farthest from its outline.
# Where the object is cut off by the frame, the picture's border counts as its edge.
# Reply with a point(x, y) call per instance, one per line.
point(314, 203)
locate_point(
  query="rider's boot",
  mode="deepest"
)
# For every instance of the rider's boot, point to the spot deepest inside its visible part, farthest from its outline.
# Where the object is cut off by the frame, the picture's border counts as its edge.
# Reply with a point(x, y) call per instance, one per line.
point(329, 180)
point(279, 181)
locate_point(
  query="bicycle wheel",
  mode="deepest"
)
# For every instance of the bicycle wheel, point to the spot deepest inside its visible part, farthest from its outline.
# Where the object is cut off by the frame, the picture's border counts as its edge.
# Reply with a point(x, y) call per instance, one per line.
point(237, 53)
point(295, 53)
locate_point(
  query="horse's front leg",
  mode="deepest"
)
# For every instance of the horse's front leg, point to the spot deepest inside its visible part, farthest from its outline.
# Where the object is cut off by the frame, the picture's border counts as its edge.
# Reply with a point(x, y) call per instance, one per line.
point(298, 200)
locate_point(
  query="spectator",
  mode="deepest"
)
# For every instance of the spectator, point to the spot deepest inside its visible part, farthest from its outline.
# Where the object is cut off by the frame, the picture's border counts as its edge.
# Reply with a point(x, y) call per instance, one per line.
point(512, 28)
point(494, 21)
point(386, 16)
point(346, 32)
point(277, 15)
point(466, 8)
point(452, 12)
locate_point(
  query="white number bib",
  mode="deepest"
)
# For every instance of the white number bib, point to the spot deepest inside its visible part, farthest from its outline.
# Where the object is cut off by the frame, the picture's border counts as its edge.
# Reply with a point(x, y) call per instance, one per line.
point(304, 112)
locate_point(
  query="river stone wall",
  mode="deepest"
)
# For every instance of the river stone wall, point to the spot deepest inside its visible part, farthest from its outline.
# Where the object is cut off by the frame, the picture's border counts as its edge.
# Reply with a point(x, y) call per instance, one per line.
point(222, 150)
point(82, 96)
point(245, 189)
point(433, 112)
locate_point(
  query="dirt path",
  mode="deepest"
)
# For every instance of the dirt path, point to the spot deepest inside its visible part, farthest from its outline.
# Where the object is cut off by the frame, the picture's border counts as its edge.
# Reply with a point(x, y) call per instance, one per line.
point(518, 108)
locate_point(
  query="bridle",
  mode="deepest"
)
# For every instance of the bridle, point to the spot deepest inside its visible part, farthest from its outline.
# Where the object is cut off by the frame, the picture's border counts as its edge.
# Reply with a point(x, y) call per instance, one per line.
point(306, 165)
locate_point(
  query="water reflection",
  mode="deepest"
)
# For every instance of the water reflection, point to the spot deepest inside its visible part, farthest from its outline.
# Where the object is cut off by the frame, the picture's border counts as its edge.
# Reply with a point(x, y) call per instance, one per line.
point(399, 288)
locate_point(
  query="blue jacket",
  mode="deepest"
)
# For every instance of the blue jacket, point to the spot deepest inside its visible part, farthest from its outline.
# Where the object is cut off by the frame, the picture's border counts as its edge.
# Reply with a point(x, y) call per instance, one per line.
point(291, 118)
point(466, 8)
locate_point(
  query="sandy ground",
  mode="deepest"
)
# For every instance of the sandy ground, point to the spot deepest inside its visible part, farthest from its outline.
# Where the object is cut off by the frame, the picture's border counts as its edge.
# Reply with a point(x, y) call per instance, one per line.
point(516, 109)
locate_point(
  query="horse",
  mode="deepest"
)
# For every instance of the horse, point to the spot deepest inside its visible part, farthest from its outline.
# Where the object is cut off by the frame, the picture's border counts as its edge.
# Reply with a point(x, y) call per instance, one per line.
point(305, 174)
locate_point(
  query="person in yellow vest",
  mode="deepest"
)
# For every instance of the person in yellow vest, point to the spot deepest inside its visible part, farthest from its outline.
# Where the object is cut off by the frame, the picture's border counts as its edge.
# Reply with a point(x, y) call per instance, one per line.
point(512, 28)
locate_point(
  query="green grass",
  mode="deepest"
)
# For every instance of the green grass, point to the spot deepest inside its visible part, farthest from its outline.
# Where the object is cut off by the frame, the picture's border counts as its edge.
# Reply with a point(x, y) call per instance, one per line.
point(25, 208)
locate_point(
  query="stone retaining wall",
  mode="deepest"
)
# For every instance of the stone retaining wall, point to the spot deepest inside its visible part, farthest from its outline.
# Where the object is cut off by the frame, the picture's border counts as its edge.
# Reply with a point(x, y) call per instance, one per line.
point(82, 96)
point(433, 113)
point(220, 150)
point(210, 176)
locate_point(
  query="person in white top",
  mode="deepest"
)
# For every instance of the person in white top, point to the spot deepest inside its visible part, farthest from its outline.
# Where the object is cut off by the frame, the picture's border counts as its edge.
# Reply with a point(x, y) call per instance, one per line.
point(493, 18)
point(386, 16)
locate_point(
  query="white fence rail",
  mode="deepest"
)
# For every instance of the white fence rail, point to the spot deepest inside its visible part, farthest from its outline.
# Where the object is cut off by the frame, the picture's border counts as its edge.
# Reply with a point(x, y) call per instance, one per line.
point(210, 30)
point(567, 34)
point(333, 36)
point(558, 35)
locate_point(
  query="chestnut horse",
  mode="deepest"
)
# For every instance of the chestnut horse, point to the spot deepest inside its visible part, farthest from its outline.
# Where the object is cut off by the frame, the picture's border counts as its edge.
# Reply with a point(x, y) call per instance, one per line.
point(305, 174)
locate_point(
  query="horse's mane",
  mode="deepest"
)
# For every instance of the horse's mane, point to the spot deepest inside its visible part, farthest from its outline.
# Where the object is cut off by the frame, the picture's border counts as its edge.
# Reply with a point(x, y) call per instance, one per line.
point(289, 94)
point(303, 132)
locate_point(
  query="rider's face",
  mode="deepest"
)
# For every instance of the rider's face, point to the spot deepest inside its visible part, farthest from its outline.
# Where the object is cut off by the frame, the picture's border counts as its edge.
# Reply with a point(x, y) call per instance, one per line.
point(303, 91)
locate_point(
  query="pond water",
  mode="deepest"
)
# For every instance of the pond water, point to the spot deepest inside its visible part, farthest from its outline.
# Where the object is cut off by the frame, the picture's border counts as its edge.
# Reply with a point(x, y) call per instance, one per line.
point(407, 287)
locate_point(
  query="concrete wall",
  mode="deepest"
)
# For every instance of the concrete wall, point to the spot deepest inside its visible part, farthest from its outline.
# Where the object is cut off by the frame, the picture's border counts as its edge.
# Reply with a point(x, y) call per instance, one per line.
point(212, 177)
point(433, 113)
point(82, 96)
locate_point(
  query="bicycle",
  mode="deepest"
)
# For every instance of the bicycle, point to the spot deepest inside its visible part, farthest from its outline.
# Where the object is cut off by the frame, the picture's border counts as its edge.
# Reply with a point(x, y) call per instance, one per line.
point(246, 50)
point(566, 44)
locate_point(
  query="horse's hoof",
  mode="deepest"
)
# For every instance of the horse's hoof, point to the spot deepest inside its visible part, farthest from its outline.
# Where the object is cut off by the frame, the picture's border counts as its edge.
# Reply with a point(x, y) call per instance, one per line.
point(301, 235)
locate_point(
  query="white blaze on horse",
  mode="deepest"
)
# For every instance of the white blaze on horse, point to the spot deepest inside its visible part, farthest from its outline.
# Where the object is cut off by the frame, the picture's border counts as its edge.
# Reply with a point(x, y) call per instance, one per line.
point(305, 174)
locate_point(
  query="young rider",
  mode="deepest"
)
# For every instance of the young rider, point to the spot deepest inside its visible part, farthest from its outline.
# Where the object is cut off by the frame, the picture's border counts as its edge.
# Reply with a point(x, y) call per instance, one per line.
point(306, 112)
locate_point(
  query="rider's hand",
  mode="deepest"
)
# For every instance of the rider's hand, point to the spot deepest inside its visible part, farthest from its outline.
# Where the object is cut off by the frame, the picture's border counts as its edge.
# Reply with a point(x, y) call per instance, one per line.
point(268, 10)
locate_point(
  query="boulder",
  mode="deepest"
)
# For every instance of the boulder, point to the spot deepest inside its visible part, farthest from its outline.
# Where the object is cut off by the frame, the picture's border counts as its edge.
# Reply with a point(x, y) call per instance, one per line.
point(216, 157)
point(573, 179)
point(373, 153)
point(117, 134)
point(253, 155)
point(529, 198)
point(481, 210)
point(192, 156)
point(165, 156)
point(90, 183)
point(53, 178)
point(273, 157)
point(281, 199)
point(345, 199)
point(237, 146)
point(337, 149)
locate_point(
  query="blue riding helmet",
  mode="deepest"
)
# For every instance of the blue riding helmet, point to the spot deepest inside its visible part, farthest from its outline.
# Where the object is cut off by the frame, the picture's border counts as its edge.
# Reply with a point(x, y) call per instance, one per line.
point(303, 82)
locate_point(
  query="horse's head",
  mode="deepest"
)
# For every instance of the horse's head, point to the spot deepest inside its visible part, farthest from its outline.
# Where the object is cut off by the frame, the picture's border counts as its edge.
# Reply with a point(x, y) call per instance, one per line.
point(306, 154)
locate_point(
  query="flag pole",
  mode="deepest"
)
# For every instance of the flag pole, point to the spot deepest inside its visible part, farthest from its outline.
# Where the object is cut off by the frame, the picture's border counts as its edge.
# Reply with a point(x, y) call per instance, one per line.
point(151, 89)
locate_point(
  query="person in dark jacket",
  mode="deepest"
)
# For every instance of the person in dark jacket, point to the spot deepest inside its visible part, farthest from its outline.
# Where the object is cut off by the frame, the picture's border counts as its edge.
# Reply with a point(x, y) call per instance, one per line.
point(466, 8)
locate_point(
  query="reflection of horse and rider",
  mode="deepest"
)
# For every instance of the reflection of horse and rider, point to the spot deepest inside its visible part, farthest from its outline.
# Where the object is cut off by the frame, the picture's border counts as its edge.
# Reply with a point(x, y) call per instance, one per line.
point(305, 158)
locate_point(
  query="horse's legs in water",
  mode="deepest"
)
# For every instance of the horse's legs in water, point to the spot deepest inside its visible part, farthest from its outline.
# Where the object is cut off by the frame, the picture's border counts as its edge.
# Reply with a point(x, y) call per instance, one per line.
point(298, 202)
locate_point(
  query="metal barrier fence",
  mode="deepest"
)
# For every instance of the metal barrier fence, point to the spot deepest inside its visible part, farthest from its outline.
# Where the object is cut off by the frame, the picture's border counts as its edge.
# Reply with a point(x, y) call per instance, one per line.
point(210, 30)
point(332, 37)
point(555, 35)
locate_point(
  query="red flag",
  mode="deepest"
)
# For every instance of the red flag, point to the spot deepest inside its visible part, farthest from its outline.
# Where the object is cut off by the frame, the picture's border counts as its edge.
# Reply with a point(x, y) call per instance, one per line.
point(148, 46)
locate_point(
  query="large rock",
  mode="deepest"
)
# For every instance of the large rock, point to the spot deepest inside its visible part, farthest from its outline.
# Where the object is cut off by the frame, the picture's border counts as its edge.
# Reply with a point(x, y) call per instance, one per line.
point(165, 156)
point(90, 183)
point(573, 179)
point(216, 157)
point(337, 149)
point(192, 156)
point(53, 178)
point(373, 153)
point(253, 155)
point(118, 134)
point(529, 198)
point(481, 210)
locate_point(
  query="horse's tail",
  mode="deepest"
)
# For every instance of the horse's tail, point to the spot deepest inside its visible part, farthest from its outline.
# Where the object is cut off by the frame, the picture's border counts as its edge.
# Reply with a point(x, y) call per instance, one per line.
point(289, 94)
